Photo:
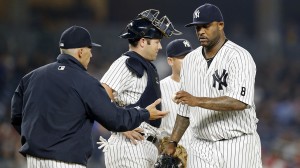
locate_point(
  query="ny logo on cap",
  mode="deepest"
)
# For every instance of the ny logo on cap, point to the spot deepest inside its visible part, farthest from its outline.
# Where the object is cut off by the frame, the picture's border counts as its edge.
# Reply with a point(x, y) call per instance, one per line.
point(186, 43)
point(196, 14)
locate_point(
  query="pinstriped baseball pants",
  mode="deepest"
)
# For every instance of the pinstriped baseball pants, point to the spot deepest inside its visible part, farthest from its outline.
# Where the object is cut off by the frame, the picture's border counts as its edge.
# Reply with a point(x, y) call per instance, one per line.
point(121, 153)
point(34, 162)
point(239, 152)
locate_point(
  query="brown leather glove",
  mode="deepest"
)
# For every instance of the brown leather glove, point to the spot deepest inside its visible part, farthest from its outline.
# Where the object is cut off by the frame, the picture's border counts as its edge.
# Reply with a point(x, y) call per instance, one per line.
point(180, 152)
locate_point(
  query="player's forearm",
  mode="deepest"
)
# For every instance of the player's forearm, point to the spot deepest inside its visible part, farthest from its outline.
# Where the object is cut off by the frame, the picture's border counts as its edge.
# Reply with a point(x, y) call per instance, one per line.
point(223, 103)
point(181, 124)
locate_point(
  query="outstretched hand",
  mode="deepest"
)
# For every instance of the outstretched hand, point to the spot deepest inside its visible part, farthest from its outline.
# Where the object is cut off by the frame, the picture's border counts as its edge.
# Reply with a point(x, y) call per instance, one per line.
point(183, 97)
point(154, 113)
point(134, 135)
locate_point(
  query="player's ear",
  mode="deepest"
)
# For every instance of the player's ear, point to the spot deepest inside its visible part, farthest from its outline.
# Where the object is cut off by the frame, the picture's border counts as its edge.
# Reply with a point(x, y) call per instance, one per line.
point(221, 25)
point(170, 61)
point(79, 52)
point(142, 42)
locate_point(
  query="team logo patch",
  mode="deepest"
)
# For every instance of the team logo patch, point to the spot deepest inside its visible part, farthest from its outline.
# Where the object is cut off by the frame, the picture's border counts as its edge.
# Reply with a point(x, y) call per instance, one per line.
point(220, 79)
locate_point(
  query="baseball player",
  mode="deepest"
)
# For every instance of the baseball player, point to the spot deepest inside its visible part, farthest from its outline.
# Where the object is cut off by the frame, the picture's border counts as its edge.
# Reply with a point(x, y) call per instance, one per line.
point(132, 81)
point(217, 99)
point(176, 50)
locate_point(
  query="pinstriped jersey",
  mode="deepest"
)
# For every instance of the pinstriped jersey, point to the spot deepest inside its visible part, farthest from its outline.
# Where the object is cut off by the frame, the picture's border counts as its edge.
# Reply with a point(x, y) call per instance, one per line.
point(168, 88)
point(128, 90)
point(231, 73)
point(127, 86)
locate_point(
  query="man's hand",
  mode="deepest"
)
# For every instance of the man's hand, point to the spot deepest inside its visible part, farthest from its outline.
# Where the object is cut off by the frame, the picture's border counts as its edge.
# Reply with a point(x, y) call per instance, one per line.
point(184, 97)
point(154, 113)
point(168, 148)
point(134, 135)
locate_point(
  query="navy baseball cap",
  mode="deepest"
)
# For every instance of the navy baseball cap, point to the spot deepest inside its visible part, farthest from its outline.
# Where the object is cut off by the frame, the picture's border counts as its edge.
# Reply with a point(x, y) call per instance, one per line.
point(76, 37)
point(205, 14)
point(178, 47)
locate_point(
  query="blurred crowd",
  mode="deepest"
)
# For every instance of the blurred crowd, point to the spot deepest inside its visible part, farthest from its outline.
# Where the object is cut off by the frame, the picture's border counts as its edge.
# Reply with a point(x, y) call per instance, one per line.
point(277, 92)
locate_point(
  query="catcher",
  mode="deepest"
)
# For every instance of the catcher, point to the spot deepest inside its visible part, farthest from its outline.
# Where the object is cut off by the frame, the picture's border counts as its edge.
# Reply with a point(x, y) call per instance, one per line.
point(132, 81)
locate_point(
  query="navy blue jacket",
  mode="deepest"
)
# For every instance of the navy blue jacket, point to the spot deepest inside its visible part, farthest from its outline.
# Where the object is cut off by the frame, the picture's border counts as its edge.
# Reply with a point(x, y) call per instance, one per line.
point(54, 108)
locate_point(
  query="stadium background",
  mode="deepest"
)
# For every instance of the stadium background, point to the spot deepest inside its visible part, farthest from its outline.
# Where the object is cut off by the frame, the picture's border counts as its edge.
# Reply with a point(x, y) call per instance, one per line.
point(269, 29)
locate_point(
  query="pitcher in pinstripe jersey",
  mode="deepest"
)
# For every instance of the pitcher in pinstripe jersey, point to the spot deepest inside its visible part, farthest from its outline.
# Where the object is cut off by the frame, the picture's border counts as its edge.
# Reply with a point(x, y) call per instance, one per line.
point(176, 50)
point(132, 81)
point(217, 99)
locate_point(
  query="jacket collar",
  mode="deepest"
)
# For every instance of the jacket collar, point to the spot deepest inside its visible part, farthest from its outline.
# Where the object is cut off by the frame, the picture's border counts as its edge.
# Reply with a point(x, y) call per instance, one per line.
point(68, 59)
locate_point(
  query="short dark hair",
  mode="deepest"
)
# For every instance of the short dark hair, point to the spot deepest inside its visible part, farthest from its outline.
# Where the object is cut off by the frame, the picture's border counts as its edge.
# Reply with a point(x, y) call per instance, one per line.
point(148, 41)
point(134, 42)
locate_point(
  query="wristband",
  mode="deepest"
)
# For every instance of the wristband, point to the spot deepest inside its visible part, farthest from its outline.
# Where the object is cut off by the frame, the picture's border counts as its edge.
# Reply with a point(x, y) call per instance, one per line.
point(174, 142)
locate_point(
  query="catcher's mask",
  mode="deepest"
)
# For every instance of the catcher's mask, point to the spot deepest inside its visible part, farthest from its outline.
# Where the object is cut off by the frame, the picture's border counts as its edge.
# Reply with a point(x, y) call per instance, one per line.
point(147, 25)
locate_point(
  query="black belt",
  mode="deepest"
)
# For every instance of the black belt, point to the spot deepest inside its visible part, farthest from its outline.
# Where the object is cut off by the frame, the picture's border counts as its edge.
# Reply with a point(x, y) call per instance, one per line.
point(232, 137)
point(150, 138)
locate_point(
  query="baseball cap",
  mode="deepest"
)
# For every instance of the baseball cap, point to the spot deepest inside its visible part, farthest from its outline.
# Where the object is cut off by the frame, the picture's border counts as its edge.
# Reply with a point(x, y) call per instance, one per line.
point(205, 14)
point(178, 47)
point(76, 37)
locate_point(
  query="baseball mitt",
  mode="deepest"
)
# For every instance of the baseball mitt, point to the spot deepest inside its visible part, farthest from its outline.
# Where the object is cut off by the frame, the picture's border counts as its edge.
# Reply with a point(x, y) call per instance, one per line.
point(180, 154)
point(167, 161)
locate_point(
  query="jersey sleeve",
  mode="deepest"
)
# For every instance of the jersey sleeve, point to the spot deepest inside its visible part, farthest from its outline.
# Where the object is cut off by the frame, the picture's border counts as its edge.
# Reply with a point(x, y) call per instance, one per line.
point(116, 74)
point(16, 108)
point(107, 113)
point(184, 110)
point(241, 81)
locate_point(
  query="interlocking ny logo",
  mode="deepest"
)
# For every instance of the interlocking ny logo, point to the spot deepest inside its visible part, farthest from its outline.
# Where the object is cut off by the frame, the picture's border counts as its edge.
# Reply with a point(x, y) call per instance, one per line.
point(196, 14)
point(220, 79)
point(186, 43)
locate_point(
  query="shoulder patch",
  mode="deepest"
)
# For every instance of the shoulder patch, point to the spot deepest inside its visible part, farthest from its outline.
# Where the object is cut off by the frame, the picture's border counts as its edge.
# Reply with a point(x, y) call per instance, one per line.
point(135, 66)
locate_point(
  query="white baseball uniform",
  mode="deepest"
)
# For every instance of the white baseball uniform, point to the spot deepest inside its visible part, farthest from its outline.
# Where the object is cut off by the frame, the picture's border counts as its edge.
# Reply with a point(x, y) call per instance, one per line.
point(222, 139)
point(168, 88)
point(128, 88)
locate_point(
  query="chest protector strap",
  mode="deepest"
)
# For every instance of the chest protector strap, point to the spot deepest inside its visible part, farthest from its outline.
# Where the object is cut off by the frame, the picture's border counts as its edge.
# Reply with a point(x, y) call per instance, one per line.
point(137, 65)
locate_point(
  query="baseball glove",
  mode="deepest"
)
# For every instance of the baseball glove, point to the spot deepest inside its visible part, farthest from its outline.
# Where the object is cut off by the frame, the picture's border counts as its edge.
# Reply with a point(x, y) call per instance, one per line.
point(180, 155)
point(167, 161)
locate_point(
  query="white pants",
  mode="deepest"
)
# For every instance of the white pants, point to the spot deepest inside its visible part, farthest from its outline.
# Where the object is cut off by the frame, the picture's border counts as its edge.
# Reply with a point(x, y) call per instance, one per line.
point(239, 152)
point(34, 162)
point(121, 153)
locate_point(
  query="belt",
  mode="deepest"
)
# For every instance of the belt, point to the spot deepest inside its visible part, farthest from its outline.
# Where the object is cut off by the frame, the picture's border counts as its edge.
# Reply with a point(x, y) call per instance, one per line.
point(224, 139)
point(150, 138)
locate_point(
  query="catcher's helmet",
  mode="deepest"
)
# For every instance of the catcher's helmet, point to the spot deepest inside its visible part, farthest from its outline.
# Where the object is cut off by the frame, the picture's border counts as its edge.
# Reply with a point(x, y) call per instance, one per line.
point(146, 25)
point(139, 28)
